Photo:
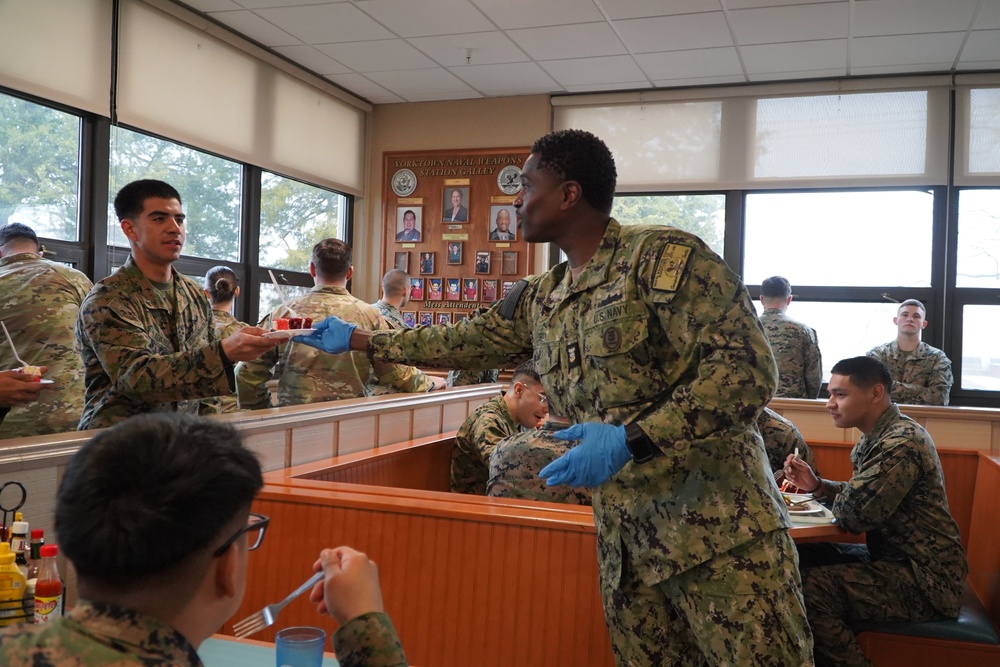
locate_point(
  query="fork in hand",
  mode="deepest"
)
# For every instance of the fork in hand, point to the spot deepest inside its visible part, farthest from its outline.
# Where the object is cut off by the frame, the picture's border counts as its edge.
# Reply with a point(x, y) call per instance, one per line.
point(265, 617)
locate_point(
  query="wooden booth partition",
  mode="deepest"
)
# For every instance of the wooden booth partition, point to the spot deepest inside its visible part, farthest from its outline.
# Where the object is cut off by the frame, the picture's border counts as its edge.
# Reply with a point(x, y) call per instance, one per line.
point(448, 221)
point(469, 581)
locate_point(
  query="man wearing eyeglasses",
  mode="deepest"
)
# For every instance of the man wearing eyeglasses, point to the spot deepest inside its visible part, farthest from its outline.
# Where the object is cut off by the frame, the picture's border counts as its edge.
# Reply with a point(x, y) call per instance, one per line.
point(154, 514)
point(523, 405)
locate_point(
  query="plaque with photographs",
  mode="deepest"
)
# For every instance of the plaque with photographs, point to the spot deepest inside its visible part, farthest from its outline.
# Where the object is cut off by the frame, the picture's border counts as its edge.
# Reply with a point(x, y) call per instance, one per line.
point(470, 289)
point(434, 289)
point(443, 317)
point(489, 291)
point(425, 318)
point(403, 261)
point(506, 287)
point(455, 252)
point(483, 261)
point(454, 289)
point(409, 318)
point(416, 289)
point(426, 262)
point(508, 266)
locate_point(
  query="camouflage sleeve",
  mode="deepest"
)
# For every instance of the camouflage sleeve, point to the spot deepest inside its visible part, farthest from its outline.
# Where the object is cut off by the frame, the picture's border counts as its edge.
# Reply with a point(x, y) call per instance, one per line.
point(936, 390)
point(487, 433)
point(813, 366)
point(465, 378)
point(119, 339)
point(403, 378)
point(710, 317)
point(874, 492)
point(369, 640)
point(251, 381)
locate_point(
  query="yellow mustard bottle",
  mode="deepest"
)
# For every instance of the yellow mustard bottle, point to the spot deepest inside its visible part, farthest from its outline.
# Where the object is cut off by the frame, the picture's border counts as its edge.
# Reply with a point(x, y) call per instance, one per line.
point(12, 587)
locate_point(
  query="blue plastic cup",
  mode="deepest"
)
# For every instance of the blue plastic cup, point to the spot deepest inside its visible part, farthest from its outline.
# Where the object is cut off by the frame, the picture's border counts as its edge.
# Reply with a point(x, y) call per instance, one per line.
point(300, 647)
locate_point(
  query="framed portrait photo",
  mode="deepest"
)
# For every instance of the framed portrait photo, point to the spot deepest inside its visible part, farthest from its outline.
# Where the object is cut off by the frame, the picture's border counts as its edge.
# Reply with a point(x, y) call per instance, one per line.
point(461, 315)
point(455, 252)
point(508, 267)
point(416, 289)
point(402, 261)
point(426, 262)
point(454, 289)
point(425, 318)
point(455, 205)
point(408, 224)
point(434, 289)
point(409, 318)
point(483, 261)
point(503, 224)
point(470, 289)
point(506, 287)
point(489, 291)
point(443, 317)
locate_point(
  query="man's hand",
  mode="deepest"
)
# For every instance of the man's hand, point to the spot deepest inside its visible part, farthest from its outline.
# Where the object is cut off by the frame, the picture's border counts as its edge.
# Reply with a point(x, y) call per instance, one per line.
point(439, 383)
point(248, 343)
point(350, 587)
point(600, 454)
point(17, 388)
point(332, 335)
point(800, 474)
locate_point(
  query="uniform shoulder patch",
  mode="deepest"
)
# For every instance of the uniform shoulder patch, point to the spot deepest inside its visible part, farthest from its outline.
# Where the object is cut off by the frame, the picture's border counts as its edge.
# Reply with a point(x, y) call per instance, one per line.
point(670, 267)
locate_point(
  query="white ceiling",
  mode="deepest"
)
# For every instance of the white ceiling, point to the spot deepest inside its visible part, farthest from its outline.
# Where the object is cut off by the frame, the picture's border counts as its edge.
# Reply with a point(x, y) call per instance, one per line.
point(419, 50)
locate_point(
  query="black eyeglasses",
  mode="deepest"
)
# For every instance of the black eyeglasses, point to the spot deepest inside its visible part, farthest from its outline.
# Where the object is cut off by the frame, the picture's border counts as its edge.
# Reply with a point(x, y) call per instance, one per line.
point(256, 523)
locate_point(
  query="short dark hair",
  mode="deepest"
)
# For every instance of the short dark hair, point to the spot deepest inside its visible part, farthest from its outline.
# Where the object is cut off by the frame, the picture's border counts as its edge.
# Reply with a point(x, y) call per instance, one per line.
point(776, 287)
point(332, 258)
point(17, 230)
point(395, 282)
point(912, 302)
point(864, 372)
point(411, 213)
point(131, 198)
point(525, 371)
point(142, 496)
point(221, 284)
point(576, 155)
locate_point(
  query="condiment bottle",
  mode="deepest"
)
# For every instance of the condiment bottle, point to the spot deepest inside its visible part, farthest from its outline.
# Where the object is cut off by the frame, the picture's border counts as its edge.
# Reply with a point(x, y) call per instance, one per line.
point(19, 544)
point(35, 557)
point(11, 588)
point(48, 587)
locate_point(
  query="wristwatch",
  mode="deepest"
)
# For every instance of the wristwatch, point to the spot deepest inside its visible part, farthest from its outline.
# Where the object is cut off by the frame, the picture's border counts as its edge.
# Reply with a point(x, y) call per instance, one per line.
point(639, 444)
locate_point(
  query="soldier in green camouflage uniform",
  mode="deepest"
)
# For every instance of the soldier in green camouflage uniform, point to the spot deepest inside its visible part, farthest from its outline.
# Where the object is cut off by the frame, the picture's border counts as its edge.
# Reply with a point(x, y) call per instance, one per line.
point(523, 405)
point(145, 332)
point(781, 438)
point(517, 460)
point(650, 344)
point(308, 376)
point(795, 346)
point(40, 302)
point(395, 295)
point(154, 515)
point(222, 288)
point(921, 374)
point(914, 567)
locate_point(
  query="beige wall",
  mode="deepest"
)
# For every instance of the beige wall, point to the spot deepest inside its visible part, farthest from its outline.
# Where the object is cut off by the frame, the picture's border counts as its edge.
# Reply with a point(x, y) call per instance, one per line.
point(483, 123)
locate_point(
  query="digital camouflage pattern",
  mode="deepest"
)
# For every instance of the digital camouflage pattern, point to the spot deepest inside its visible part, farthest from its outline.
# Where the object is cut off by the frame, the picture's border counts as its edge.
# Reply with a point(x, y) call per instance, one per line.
point(466, 378)
point(226, 325)
point(896, 496)
point(921, 377)
point(796, 352)
point(391, 314)
point(781, 438)
point(656, 330)
point(39, 304)
point(516, 461)
point(369, 640)
point(308, 375)
point(96, 635)
point(148, 351)
point(475, 440)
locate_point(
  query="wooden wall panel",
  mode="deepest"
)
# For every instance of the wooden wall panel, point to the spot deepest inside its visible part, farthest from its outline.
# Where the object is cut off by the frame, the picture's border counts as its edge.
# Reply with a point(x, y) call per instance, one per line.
point(957, 434)
point(453, 414)
point(357, 433)
point(272, 448)
point(426, 421)
point(984, 547)
point(392, 429)
point(313, 442)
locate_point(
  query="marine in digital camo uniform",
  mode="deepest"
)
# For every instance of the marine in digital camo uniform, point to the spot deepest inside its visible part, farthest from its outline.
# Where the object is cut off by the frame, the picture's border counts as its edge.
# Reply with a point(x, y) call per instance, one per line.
point(516, 461)
point(781, 438)
point(921, 377)
point(309, 376)
point(797, 354)
point(41, 300)
point(147, 350)
point(488, 424)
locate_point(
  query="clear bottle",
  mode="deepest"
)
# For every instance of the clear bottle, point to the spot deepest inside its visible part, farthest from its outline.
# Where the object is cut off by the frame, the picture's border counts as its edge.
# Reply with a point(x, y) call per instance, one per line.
point(48, 587)
point(12, 587)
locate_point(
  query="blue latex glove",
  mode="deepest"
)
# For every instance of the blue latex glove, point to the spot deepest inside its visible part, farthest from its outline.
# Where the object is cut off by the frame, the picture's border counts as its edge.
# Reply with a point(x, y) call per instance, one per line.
point(332, 335)
point(600, 454)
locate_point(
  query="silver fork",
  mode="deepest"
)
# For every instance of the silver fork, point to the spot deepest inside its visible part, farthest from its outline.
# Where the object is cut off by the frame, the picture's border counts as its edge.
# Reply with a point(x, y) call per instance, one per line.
point(265, 617)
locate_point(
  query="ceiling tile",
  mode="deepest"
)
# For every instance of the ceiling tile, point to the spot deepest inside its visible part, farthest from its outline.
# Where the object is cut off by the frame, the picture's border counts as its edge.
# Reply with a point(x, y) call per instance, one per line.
point(408, 83)
point(379, 56)
point(697, 63)
point(256, 28)
point(325, 24)
point(580, 40)
point(312, 59)
point(914, 50)
point(633, 9)
point(796, 23)
point(796, 56)
point(989, 18)
point(533, 13)
point(488, 48)
point(412, 19)
point(360, 85)
point(675, 33)
point(212, 5)
point(528, 78)
point(583, 71)
point(899, 17)
point(983, 45)
point(618, 85)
